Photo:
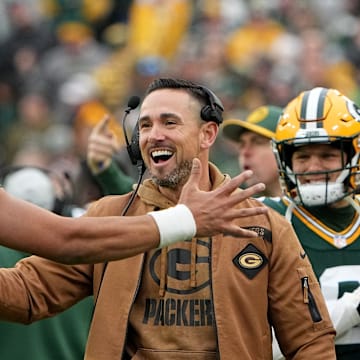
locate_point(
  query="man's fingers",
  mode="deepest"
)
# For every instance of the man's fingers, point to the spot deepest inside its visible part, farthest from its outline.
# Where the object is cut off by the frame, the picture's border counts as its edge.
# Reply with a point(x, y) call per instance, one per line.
point(101, 126)
point(97, 150)
point(253, 190)
point(239, 195)
point(237, 231)
point(219, 211)
point(103, 143)
point(250, 211)
point(236, 182)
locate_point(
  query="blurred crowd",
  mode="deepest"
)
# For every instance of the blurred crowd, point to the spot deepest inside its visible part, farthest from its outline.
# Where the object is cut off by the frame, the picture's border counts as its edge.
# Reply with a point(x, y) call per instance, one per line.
point(66, 63)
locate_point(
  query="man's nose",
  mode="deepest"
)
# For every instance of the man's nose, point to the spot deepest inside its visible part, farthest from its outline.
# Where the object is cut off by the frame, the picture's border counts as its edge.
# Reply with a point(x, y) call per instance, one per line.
point(246, 149)
point(314, 163)
point(156, 133)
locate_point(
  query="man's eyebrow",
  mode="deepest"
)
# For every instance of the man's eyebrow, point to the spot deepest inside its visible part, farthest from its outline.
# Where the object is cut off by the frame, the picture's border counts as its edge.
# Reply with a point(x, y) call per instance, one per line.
point(168, 115)
point(163, 116)
point(142, 118)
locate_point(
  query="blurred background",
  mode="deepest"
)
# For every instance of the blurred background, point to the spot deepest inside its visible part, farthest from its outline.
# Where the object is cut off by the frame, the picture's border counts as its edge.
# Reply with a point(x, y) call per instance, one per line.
point(64, 63)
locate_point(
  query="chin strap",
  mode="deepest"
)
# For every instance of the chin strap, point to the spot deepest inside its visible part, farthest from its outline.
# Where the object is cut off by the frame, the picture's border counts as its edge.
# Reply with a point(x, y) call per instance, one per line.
point(289, 210)
point(353, 203)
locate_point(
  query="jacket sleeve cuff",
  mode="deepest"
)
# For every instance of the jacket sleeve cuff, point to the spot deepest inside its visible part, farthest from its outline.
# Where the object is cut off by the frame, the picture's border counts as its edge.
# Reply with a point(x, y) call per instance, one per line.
point(113, 181)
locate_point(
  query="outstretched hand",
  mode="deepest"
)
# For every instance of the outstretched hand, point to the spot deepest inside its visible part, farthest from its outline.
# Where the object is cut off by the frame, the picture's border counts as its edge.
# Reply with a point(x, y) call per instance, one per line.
point(102, 145)
point(215, 211)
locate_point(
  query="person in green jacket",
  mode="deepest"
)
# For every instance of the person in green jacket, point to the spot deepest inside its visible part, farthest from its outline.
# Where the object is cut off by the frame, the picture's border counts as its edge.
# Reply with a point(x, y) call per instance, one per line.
point(57, 338)
point(316, 144)
point(102, 145)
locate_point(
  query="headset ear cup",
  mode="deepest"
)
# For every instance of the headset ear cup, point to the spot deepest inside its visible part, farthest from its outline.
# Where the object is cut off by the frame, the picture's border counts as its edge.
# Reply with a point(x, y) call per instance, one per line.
point(213, 110)
point(206, 113)
point(209, 114)
point(134, 147)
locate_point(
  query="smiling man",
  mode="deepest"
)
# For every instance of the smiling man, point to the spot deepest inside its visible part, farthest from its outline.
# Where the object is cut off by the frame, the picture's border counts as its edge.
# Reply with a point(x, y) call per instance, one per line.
point(317, 147)
point(203, 299)
point(253, 137)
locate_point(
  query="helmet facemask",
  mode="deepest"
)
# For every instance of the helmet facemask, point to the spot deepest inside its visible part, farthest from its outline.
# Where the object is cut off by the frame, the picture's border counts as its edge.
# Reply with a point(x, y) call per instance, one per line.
point(319, 193)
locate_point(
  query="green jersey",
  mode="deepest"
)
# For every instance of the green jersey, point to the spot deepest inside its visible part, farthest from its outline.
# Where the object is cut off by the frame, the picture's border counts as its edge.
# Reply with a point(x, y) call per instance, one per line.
point(62, 337)
point(331, 240)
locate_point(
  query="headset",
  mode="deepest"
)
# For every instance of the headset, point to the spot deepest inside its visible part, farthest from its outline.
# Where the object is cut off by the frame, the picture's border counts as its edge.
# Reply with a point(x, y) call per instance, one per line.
point(62, 185)
point(212, 111)
point(132, 146)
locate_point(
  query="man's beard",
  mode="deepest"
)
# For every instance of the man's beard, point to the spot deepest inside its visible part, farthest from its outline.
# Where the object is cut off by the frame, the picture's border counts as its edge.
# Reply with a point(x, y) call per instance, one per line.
point(177, 177)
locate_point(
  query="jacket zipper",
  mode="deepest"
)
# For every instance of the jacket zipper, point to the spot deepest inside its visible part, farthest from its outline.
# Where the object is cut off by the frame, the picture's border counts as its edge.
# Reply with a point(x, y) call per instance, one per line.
point(212, 296)
point(122, 357)
point(309, 299)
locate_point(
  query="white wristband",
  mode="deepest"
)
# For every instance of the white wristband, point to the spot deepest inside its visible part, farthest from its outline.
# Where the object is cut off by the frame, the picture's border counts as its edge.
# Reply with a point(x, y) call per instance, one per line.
point(175, 224)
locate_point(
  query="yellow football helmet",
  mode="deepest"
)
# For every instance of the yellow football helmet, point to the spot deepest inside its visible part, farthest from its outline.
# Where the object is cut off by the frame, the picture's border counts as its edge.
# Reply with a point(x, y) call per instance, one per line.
point(321, 116)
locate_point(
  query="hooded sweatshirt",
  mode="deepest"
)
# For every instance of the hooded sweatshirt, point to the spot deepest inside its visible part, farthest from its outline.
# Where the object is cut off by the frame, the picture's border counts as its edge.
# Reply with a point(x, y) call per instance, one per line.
point(209, 298)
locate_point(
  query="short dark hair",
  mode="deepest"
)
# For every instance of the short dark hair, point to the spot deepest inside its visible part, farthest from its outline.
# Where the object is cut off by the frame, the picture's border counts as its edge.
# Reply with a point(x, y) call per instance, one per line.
point(212, 107)
point(171, 83)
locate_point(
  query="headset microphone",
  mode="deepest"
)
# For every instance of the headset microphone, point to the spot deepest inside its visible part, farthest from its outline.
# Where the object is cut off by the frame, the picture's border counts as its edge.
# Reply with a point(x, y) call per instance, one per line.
point(133, 103)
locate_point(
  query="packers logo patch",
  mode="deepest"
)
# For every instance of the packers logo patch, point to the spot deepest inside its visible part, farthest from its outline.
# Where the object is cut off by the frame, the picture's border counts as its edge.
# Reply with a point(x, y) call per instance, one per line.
point(250, 261)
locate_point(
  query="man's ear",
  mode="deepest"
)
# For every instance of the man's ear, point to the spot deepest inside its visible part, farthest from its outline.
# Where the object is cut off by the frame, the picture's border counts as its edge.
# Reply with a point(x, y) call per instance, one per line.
point(209, 132)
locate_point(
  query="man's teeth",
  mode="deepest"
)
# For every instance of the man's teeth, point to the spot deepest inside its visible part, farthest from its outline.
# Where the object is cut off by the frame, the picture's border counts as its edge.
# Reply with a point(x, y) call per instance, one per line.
point(158, 153)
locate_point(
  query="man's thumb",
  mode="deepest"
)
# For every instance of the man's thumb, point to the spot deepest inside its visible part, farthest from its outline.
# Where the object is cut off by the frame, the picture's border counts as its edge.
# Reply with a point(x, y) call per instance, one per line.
point(192, 183)
point(195, 174)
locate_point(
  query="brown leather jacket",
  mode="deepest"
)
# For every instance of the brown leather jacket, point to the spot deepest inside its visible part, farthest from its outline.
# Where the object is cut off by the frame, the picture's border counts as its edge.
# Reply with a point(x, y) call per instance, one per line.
point(254, 282)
